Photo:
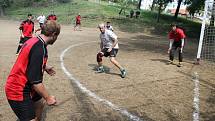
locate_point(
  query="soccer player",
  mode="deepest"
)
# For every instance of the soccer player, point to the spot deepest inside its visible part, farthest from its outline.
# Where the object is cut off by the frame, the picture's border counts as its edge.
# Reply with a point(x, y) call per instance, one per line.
point(24, 87)
point(109, 47)
point(41, 19)
point(77, 22)
point(52, 16)
point(176, 41)
point(108, 26)
point(26, 31)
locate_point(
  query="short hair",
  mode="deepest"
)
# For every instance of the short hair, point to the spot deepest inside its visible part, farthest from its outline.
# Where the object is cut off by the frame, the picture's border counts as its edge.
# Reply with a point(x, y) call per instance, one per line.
point(101, 25)
point(173, 24)
point(29, 14)
point(51, 27)
point(108, 22)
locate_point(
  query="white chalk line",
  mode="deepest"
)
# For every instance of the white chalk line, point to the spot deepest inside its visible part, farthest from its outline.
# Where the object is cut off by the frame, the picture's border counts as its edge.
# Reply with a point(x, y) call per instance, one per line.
point(196, 97)
point(91, 94)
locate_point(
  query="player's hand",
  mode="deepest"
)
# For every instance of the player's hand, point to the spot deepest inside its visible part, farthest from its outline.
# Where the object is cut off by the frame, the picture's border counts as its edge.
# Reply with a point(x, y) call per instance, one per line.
point(181, 50)
point(50, 70)
point(22, 36)
point(51, 100)
point(168, 51)
point(109, 49)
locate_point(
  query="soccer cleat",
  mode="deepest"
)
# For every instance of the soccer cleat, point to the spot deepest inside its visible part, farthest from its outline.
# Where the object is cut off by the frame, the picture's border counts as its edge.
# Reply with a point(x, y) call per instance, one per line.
point(179, 64)
point(123, 73)
point(100, 70)
point(170, 62)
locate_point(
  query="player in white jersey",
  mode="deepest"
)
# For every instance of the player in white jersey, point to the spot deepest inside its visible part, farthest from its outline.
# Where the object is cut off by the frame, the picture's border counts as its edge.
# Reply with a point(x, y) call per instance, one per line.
point(109, 47)
point(108, 26)
point(41, 19)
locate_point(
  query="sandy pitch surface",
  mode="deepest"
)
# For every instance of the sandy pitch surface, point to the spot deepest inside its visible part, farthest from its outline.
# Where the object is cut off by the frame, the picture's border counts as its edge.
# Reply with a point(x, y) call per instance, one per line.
point(152, 90)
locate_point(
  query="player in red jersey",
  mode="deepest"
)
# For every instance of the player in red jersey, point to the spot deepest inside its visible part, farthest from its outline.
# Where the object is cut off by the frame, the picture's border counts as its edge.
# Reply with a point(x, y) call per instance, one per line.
point(26, 31)
point(176, 41)
point(24, 88)
point(77, 22)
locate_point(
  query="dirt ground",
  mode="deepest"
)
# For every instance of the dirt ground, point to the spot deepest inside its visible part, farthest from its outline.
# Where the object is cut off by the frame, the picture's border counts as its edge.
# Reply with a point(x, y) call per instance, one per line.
point(152, 90)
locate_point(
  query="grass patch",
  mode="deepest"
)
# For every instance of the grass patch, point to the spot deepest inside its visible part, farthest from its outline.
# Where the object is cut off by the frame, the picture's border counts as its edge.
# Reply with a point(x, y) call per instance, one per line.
point(94, 13)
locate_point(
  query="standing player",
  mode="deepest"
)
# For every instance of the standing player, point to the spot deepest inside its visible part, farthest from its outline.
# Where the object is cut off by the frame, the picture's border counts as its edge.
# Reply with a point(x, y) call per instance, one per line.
point(52, 16)
point(109, 47)
point(24, 88)
point(26, 31)
point(41, 19)
point(108, 26)
point(77, 22)
point(176, 41)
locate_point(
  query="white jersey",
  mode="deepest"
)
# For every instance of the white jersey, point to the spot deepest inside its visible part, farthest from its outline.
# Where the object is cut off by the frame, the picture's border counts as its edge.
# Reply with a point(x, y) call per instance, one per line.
point(109, 28)
point(41, 19)
point(107, 39)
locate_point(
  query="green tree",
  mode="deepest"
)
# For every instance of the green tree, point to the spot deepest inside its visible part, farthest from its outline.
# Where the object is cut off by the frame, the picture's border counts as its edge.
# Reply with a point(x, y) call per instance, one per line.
point(139, 4)
point(194, 6)
point(178, 8)
point(161, 4)
point(3, 4)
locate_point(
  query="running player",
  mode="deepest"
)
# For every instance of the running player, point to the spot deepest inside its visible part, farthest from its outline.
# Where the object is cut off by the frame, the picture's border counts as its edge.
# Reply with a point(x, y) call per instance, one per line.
point(24, 89)
point(77, 22)
point(26, 31)
point(109, 47)
point(176, 41)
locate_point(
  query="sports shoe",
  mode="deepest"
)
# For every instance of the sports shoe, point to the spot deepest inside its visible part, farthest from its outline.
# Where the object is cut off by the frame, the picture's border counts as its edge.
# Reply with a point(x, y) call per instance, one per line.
point(123, 73)
point(179, 64)
point(170, 62)
point(100, 70)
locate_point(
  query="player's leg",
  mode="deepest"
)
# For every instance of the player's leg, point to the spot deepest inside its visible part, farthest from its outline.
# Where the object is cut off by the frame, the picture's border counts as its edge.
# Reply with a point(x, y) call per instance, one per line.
point(113, 60)
point(180, 56)
point(39, 104)
point(21, 41)
point(172, 53)
point(99, 61)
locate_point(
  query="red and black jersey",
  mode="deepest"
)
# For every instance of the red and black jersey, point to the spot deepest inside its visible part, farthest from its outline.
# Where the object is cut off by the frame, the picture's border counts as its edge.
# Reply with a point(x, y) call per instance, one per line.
point(27, 28)
point(78, 19)
point(27, 70)
point(177, 35)
point(52, 17)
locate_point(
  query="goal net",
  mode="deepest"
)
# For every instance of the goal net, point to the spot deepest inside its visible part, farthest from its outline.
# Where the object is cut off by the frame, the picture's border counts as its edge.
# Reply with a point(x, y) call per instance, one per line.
point(206, 50)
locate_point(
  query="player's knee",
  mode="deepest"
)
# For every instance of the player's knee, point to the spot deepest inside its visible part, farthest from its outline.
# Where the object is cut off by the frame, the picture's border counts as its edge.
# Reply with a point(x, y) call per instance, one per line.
point(99, 57)
point(112, 59)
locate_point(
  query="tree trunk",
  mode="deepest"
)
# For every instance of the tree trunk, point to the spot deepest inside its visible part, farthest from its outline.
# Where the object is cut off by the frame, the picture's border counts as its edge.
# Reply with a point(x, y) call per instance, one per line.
point(139, 5)
point(178, 8)
point(159, 12)
point(2, 11)
point(153, 5)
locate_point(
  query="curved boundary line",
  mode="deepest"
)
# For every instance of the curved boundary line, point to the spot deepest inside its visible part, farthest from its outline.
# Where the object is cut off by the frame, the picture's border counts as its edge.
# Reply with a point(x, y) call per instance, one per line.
point(91, 94)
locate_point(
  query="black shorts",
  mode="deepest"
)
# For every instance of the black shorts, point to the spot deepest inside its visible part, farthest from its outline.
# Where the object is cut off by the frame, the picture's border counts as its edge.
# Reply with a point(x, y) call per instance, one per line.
point(78, 23)
point(25, 109)
point(41, 25)
point(177, 44)
point(112, 53)
point(23, 40)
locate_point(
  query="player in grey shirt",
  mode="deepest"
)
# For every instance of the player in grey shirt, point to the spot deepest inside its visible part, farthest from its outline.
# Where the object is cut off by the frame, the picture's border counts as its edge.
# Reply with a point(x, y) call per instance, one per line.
point(109, 47)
